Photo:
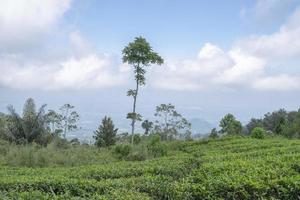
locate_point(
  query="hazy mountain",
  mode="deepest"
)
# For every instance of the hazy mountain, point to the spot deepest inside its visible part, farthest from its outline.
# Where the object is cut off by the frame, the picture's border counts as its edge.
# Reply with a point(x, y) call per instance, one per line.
point(201, 126)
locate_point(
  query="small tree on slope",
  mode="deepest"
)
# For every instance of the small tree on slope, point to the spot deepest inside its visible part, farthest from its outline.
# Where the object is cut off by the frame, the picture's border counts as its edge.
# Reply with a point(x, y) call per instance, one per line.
point(106, 133)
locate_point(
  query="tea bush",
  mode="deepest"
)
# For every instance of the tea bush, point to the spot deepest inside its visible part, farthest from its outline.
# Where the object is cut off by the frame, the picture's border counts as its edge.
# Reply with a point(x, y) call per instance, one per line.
point(224, 168)
point(258, 133)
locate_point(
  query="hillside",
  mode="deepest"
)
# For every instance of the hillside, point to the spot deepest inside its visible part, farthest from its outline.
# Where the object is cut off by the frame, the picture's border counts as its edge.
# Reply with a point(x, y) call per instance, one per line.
point(228, 168)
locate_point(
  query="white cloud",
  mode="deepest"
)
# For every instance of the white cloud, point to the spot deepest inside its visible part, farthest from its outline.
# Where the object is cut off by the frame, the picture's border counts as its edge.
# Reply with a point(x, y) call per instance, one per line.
point(284, 43)
point(92, 71)
point(22, 23)
point(79, 45)
point(88, 72)
point(192, 74)
point(213, 67)
point(278, 83)
point(244, 65)
point(268, 12)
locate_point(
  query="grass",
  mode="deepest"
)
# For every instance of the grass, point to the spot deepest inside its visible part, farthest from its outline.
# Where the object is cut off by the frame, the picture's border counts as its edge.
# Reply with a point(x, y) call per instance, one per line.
point(227, 168)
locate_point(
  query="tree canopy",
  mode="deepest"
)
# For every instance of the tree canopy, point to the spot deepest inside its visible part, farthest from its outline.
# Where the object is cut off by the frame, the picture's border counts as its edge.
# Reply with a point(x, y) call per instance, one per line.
point(229, 125)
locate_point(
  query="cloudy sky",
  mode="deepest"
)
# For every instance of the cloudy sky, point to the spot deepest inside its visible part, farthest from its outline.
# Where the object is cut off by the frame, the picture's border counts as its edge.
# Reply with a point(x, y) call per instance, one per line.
point(235, 56)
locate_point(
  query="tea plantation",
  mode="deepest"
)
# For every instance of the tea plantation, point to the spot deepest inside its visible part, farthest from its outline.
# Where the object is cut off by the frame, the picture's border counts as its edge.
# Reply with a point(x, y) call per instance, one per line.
point(228, 168)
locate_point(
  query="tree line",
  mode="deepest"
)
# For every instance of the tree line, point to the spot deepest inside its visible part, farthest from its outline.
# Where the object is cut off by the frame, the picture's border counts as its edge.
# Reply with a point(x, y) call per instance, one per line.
point(37, 125)
point(280, 122)
point(42, 127)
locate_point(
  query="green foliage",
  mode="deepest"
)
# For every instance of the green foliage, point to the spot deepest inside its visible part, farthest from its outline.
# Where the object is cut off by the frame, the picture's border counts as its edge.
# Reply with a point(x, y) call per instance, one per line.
point(105, 135)
point(138, 153)
point(136, 139)
point(155, 147)
point(123, 138)
point(253, 124)
point(139, 54)
point(62, 154)
point(54, 121)
point(275, 121)
point(170, 124)
point(292, 127)
point(3, 126)
point(258, 133)
point(225, 168)
point(122, 151)
point(68, 119)
point(229, 125)
point(214, 133)
point(36, 126)
point(135, 116)
point(147, 126)
point(279, 122)
point(29, 128)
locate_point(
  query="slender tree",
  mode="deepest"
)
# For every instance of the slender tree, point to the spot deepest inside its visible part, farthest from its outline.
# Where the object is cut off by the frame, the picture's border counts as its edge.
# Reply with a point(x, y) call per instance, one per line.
point(54, 122)
point(69, 119)
point(139, 55)
point(171, 124)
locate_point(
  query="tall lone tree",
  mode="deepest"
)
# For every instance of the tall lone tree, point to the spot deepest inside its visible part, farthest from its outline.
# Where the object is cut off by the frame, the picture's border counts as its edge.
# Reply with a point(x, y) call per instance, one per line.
point(139, 55)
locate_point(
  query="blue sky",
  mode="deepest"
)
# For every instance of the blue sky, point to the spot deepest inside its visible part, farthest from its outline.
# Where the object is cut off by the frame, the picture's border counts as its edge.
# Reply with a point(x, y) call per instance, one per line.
point(231, 56)
point(169, 25)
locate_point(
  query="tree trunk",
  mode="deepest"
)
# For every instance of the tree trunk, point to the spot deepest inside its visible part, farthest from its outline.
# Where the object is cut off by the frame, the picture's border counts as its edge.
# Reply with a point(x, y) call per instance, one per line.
point(133, 110)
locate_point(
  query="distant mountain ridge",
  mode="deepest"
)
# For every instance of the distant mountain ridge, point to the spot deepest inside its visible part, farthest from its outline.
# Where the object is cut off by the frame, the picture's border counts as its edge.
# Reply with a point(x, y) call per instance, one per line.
point(201, 126)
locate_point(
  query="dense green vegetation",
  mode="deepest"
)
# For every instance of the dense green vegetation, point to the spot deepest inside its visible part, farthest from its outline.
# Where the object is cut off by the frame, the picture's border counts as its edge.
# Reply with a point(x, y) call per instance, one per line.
point(227, 168)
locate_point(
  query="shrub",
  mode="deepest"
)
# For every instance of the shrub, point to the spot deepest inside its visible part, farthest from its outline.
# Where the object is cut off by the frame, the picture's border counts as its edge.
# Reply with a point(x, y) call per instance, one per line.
point(122, 151)
point(4, 145)
point(213, 133)
point(137, 156)
point(258, 133)
point(36, 156)
point(155, 147)
point(136, 139)
point(60, 143)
